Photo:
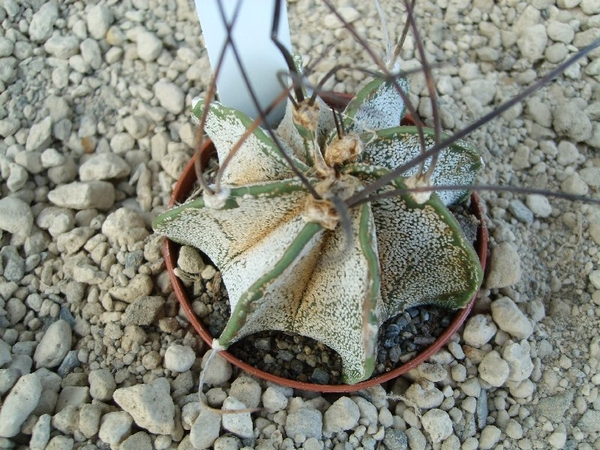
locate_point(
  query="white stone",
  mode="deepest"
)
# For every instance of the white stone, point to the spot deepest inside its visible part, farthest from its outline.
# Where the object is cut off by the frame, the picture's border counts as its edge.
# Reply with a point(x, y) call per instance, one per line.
point(40, 434)
point(15, 216)
point(247, 390)
point(274, 399)
point(218, 371)
point(574, 185)
point(206, 429)
point(98, 21)
point(170, 96)
point(102, 384)
point(62, 47)
point(18, 404)
point(539, 205)
point(479, 329)
point(54, 346)
point(560, 32)
point(532, 42)
point(489, 437)
point(493, 369)
point(505, 267)
point(91, 53)
point(104, 166)
point(39, 135)
point(437, 424)
point(239, 424)
point(179, 358)
point(148, 46)
point(125, 227)
point(84, 195)
point(510, 318)
point(115, 427)
point(150, 405)
point(519, 361)
point(42, 22)
point(303, 420)
point(424, 395)
point(342, 415)
point(572, 122)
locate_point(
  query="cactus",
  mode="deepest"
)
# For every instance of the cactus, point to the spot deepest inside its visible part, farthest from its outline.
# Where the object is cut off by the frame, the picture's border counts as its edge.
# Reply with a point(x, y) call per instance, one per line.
point(295, 257)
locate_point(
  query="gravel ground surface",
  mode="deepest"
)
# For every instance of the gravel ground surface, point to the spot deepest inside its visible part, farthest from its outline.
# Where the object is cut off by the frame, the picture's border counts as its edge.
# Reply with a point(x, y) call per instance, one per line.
point(95, 352)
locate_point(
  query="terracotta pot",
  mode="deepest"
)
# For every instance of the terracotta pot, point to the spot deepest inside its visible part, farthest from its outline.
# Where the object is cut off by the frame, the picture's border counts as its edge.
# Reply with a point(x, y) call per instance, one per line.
point(171, 251)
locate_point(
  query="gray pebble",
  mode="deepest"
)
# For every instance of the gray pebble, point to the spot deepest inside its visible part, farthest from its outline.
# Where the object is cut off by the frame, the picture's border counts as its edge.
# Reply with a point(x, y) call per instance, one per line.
point(15, 216)
point(519, 361)
point(31, 161)
point(573, 184)
point(115, 427)
point(4, 353)
point(173, 163)
point(62, 47)
point(42, 22)
point(124, 227)
point(425, 395)
point(170, 96)
point(18, 404)
point(247, 390)
point(218, 371)
point(89, 419)
point(505, 267)
point(98, 21)
point(54, 345)
point(190, 261)
point(342, 415)
point(102, 384)
point(91, 53)
point(150, 405)
point(179, 358)
point(479, 329)
point(72, 241)
point(104, 166)
point(493, 369)
point(532, 42)
point(570, 121)
point(41, 433)
point(303, 420)
point(489, 437)
point(539, 205)
point(13, 262)
point(136, 126)
point(239, 424)
point(139, 440)
point(274, 399)
point(9, 126)
point(56, 220)
point(510, 318)
point(39, 135)
point(84, 195)
point(590, 421)
point(518, 209)
point(395, 440)
point(206, 429)
point(8, 378)
point(6, 47)
point(148, 46)
point(437, 424)
point(121, 143)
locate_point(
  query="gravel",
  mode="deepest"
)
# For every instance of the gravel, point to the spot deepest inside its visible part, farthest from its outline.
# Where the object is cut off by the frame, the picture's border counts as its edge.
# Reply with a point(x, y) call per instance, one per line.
point(94, 350)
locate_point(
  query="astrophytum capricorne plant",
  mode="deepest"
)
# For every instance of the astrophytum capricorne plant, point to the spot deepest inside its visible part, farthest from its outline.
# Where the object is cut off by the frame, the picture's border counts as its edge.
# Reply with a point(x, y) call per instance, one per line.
point(298, 260)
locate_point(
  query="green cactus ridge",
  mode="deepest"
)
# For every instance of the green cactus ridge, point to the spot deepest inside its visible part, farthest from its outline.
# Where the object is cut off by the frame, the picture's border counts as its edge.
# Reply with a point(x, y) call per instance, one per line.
point(290, 263)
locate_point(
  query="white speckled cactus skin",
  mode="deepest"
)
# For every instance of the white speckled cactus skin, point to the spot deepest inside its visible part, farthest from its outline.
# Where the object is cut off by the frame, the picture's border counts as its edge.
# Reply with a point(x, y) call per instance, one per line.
point(297, 264)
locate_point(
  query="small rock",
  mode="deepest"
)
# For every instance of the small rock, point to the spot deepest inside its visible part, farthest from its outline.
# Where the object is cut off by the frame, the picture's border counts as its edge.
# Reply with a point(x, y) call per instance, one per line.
point(247, 390)
point(190, 261)
point(303, 420)
point(91, 53)
point(54, 346)
point(206, 429)
point(395, 439)
point(519, 361)
point(42, 22)
point(115, 427)
point(539, 205)
point(102, 384)
point(148, 46)
point(84, 195)
point(574, 185)
point(342, 415)
point(18, 404)
point(416, 439)
point(493, 369)
point(479, 329)
point(590, 421)
point(595, 278)
point(425, 395)
point(98, 21)
point(179, 358)
point(432, 372)
point(170, 96)
point(62, 47)
point(558, 439)
point(72, 241)
point(15, 216)
point(139, 286)
point(489, 437)
point(14, 264)
point(145, 311)
point(518, 209)
point(125, 227)
point(510, 318)
point(555, 407)
point(89, 419)
point(591, 176)
point(348, 13)
point(505, 267)
point(104, 166)
point(238, 424)
point(274, 399)
point(136, 126)
point(150, 405)
point(174, 162)
point(570, 121)
point(40, 434)
point(39, 136)
point(437, 424)
point(532, 42)
point(218, 371)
